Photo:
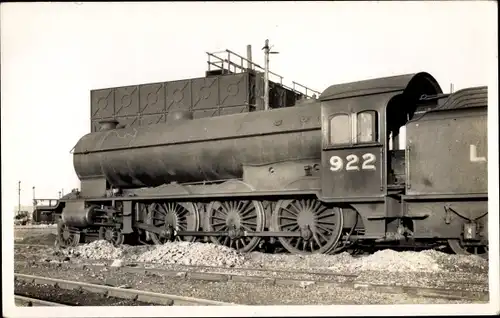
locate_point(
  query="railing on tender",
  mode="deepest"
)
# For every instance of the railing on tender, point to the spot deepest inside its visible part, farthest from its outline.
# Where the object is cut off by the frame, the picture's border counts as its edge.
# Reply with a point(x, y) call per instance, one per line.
point(45, 202)
point(225, 64)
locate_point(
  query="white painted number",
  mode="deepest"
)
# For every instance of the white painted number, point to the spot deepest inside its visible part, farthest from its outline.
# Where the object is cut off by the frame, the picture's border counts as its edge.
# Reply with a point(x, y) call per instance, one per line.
point(473, 155)
point(351, 161)
point(337, 163)
point(368, 163)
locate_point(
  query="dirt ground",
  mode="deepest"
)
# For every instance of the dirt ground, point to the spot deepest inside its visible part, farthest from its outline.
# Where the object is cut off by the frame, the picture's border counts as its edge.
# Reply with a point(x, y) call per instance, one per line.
point(44, 236)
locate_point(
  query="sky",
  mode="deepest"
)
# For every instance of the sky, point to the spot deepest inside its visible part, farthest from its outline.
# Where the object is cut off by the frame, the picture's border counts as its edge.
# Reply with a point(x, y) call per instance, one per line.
point(52, 55)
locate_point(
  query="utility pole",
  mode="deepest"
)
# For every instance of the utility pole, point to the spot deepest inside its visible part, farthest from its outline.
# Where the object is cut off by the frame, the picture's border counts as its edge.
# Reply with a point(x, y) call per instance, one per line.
point(19, 198)
point(267, 51)
point(249, 57)
point(34, 198)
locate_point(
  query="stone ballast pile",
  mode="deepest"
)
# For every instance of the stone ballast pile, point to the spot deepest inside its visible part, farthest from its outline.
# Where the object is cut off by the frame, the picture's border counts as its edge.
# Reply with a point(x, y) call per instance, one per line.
point(183, 253)
point(204, 254)
point(187, 253)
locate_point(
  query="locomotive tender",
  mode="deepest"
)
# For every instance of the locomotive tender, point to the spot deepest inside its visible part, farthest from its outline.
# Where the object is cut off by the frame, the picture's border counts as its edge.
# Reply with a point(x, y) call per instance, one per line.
point(318, 175)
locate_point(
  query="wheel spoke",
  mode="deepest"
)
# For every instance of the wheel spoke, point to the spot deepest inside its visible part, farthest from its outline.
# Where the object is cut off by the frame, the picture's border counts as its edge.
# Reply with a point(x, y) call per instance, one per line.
point(296, 243)
point(291, 212)
point(287, 217)
point(322, 210)
point(308, 204)
point(322, 236)
point(288, 224)
point(324, 216)
point(329, 223)
point(248, 217)
point(249, 223)
point(325, 229)
point(316, 239)
point(248, 210)
point(316, 207)
point(298, 205)
point(246, 228)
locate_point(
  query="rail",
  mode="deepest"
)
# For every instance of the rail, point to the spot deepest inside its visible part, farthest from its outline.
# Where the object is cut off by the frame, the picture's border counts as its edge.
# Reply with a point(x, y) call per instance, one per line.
point(226, 63)
point(139, 295)
point(37, 302)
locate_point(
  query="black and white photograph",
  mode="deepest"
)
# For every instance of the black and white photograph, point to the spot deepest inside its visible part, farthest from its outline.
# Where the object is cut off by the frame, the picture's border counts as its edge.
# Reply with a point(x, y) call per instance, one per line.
point(331, 158)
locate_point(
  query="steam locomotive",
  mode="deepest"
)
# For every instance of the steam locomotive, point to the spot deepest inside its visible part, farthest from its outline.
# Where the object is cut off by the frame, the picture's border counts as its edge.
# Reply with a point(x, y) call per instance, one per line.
point(315, 175)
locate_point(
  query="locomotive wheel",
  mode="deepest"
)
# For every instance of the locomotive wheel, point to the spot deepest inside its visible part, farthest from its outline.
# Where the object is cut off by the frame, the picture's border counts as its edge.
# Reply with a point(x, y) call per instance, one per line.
point(66, 236)
point(325, 224)
point(242, 215)
point(342, 245)
point(112, 235)
point(180, 216)
point(458, 248)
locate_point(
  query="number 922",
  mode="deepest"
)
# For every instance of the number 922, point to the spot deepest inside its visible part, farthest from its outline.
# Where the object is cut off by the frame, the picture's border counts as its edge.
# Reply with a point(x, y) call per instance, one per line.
point(352, 162)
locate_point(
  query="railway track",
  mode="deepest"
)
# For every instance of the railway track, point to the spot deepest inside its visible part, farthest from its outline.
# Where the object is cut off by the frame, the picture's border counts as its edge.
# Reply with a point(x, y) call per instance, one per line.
point(452, 290)
point(35, 302)
point(116, 292)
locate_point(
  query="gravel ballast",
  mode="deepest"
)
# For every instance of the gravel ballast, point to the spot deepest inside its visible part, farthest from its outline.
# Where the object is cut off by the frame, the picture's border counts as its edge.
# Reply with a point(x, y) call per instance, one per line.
point(240, 293)
point(205, 254)
point(422, 269)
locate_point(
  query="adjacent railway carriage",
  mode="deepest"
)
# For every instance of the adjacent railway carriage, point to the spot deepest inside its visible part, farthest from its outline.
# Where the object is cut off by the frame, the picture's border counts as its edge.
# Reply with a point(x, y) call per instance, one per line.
point(317, 175)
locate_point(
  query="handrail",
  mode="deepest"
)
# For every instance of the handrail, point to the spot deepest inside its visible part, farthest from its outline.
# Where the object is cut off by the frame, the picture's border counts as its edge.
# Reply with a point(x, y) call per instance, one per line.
point(37, 202)
point(256, 65)
point(222, 62)
point(307, 88)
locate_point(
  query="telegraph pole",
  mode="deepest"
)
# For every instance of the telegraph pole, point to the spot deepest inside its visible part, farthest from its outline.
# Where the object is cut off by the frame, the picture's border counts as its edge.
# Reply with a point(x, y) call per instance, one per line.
point(267, 51)
point(34, 198)
point(249, 57)
point(266, 75)
point(19, 198)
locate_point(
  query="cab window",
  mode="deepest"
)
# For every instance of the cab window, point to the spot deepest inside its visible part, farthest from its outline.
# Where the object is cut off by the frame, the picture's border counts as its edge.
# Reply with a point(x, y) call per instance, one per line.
point(340, 129)
point(366, 126)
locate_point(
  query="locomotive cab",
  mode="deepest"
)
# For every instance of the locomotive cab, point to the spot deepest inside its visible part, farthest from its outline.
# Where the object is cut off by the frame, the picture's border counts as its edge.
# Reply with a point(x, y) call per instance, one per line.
point(361, 148)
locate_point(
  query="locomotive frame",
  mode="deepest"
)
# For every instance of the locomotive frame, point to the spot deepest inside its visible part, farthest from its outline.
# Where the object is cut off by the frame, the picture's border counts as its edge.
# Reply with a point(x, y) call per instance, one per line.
point(361, 189)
